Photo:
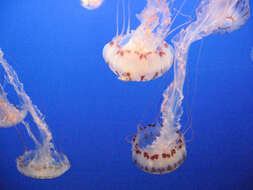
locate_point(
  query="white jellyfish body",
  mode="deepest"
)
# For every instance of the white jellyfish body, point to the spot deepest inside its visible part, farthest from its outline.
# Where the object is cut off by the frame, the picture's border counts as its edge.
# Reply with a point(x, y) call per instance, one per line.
point(160, 148)
point(142, 54)
point(9, 114)
point(44, 162)
point(91, 4)
point(237, 14)
point(37, 165)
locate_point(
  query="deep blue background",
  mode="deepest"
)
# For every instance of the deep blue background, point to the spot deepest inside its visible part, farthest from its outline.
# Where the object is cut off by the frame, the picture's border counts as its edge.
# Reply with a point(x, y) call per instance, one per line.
point(56, 49)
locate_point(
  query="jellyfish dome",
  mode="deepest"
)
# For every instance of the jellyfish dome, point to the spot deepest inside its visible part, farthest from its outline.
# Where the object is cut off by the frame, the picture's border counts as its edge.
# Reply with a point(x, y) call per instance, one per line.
point(154, 156)
point(237, 14)
point(10, 115)
point(142, 54)
point(42, 165)
point(91, 4)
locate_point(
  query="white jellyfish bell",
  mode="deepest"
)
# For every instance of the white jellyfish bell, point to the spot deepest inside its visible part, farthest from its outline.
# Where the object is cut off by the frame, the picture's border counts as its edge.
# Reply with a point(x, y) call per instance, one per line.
point(142, 54)
point(237, 13)
point(10, 115)
point(91, 4)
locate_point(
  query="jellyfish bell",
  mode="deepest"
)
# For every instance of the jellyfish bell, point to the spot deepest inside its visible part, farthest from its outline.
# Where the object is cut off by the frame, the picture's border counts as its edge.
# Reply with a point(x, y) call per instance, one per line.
point(237, 13)
point(142, 54)
point(42, 164)
point(154, 156)
point(91, 4)
point(137, 60)
point(9, 114)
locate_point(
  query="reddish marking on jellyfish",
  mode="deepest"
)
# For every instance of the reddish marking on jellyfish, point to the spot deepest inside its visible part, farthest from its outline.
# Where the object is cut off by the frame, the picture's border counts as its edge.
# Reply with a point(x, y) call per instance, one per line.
point(136, 52)
point(166, 45)
point(138, 152)
point(117, 72)
point(145, 55)
point(164, 155)
point(128, 51)
point(151, 125)
point(231, 18)
point(169, 168)
point(146, 155)
point(129, 75)
point(179, 146)
point(111, 43)
point(141, 56)
point(136, 146)
point(142, 77)
point(148, 53)
point(180, 141)
point(120, 52)
point(154, 157)
point(161, 53)
point(173, 151)
point(134, 139)
point(155, 76)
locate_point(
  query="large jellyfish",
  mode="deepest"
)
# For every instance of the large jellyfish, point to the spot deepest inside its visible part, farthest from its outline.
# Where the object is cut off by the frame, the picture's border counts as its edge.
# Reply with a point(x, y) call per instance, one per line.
point(160, 148)
point(44, 162)
point(143, 54)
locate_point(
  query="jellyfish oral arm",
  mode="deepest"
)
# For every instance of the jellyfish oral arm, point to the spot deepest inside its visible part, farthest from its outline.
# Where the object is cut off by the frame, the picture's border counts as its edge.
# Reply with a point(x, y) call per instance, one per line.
point(36, 114)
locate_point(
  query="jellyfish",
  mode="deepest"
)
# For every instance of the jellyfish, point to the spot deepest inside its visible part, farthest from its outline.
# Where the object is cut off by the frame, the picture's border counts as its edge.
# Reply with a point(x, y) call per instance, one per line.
point(10, 115)
point(44, 161)
point(160, 148)
point(91, 4)
point(143, 54)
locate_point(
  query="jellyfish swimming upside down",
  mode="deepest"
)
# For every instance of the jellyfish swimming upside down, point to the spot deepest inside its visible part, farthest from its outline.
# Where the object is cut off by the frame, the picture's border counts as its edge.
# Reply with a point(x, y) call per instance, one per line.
point(142, 54)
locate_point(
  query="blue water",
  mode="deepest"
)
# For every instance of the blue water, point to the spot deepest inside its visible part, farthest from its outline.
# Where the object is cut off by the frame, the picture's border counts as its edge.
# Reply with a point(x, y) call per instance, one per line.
point(56, 49)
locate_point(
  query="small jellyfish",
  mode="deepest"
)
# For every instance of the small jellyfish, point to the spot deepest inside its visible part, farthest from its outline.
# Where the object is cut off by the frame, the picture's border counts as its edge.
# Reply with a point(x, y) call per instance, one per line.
point(10, 115)
point(91, 4)
point(44, 162)
point(160, 148)
point(142, 54)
